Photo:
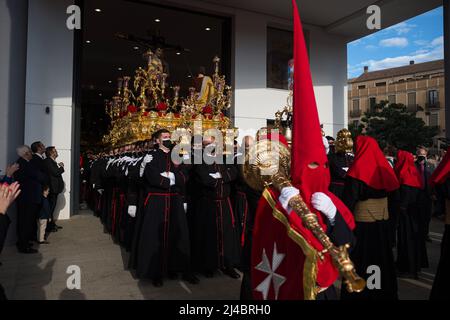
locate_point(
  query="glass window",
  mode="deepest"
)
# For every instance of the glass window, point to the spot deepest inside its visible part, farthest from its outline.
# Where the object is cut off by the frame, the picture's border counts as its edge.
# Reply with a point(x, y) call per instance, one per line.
point(434, 119)
point(433, 97)
point(380, 84)
point(372, 103)
point(391, 98)
point(411, 98)
point(362, 86)
point(279, 54)
point(355, 105)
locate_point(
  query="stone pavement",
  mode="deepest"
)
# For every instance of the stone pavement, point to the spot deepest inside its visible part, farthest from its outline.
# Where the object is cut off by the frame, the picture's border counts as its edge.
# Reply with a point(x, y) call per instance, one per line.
point(82, 242)
point(104, 276)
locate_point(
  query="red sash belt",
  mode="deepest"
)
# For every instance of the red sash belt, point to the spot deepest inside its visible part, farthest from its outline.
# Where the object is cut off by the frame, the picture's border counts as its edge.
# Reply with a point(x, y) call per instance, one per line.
point(162, 194)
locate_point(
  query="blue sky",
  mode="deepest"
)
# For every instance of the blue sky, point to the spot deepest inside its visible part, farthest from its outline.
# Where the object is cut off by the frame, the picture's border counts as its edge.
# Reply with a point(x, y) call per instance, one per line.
point(419, 39)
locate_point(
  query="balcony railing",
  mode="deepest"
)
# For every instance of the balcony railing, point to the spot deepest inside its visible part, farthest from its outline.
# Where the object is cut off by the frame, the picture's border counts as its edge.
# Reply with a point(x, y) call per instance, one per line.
point(355, 113)
point(433, 105)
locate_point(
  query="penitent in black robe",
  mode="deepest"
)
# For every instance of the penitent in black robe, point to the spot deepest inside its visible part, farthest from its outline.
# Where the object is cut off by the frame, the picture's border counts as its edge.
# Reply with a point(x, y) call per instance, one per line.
point(163, 238)
point(339, 164)
point(441, 285)
point(215, 238)
point(373, 245)
point(408, 244)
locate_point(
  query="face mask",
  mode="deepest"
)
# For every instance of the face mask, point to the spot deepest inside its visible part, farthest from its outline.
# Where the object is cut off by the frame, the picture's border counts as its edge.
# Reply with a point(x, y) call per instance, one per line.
point(167, 143)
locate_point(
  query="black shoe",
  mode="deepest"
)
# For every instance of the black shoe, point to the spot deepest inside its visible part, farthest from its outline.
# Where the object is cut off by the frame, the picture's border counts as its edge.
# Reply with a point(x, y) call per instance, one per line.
point(231, 273)
point(43, 242)
point(158, 282)
point(190, 278)
point(58, 227)
point(209, 274)
point(27, 250)
point(172, 275)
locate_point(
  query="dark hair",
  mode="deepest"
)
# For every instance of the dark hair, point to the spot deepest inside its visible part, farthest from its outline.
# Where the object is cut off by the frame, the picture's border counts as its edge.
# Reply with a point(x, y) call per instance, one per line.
point(202, 70)
point(45, 187)
point(158, 133)
point(49, 150)
point(35, 146)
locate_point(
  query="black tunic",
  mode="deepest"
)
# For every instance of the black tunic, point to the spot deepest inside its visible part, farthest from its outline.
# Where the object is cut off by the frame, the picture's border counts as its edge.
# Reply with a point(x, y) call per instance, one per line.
point(337, 163)
point(373, 245)
point(408, 244)
point(215, 239)
point(163, 239)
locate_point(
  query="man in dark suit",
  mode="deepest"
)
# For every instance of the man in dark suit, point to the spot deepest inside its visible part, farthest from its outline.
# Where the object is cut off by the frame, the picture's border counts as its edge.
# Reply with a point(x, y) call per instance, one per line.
point(56, 183)
point(38, 149)
point(31, 180)
point(424, 200)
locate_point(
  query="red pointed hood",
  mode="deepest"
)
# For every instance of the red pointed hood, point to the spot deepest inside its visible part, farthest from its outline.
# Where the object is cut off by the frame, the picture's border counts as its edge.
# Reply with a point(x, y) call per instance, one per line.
point(371, 166)
point(309, 163)
point(307, 144)
point(442, 171)
point(406, 170)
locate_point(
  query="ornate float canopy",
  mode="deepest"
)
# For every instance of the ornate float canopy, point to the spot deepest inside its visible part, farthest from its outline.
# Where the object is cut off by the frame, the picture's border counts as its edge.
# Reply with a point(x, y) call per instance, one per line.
point(148, 104)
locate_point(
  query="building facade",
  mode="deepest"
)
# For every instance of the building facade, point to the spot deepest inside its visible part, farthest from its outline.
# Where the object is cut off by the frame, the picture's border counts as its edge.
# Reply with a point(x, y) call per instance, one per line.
point(418, 86)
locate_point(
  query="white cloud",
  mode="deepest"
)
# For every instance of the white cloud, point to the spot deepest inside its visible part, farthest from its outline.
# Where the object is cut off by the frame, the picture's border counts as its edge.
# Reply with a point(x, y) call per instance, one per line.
point(400, 28)
point(421, 56)
point(439, 41)
point(421, 42)
point(371, 47)
point(392, 62)
point(394, 42)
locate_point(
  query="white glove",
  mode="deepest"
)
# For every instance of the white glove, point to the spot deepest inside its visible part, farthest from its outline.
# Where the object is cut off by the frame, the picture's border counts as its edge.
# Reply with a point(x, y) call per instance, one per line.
point(148, 158)
point(170, 176)
point(216, 175)
point(100, 191)
point(286, 194)
point(132, 211)
point(345, 169)
point(185, 207)
point(321, 202)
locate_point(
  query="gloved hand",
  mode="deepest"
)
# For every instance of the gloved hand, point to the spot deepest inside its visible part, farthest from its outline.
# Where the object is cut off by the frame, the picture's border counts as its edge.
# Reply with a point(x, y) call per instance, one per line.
point(170, 176)
point(148, 158)
point(285, 195)
point(132, 211)
point(100, 191)
point(216, 175)
point(321, 202)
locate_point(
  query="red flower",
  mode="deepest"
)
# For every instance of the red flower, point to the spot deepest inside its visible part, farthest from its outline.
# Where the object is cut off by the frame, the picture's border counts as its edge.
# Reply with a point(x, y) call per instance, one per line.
point(145, 113)
point(177, 115)
point(207, 110)
point(132, 108)
point(161, 106)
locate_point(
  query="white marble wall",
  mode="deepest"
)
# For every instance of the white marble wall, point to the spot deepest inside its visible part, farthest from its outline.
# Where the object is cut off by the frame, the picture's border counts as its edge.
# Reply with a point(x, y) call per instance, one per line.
point(49, 84)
